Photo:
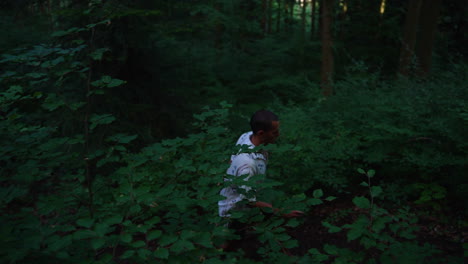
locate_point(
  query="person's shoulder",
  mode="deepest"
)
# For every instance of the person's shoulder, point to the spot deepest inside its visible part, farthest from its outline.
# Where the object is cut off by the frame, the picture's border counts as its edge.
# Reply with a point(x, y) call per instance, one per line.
point(244, 139)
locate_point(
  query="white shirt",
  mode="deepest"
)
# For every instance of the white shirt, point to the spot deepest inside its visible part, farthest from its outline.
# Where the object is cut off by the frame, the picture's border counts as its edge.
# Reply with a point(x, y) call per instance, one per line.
point(250, 164)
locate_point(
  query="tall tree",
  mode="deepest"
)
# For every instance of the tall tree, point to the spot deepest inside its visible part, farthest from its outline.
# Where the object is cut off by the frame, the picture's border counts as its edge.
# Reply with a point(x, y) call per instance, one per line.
point(270, 15)
point(409, 37)
point(327, 48)
point(312, 19)
point(303, 18)
point(278, 16)
point(265, 16)
point(428, 26)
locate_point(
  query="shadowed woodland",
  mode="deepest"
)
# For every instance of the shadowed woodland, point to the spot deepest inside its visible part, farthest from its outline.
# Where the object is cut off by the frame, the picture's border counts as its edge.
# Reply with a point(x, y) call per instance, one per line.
point(118, 119)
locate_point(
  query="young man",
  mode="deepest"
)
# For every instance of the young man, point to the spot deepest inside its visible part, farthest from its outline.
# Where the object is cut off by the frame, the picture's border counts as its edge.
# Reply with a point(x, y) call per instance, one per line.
point(265, 130)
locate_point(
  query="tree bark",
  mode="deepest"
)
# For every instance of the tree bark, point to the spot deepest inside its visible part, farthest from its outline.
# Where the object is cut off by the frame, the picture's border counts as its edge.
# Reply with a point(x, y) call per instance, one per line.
point(312, 19)
point(264, 16)
point(409, 39)
point(218, 29)
point(278, 18)
point(303, 18)
point(428, 27)
point(327, 50)
point(270, 15)
point(320, 19)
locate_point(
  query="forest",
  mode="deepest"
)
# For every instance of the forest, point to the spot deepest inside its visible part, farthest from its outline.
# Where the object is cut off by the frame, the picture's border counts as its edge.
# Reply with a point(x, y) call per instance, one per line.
point(118, 119)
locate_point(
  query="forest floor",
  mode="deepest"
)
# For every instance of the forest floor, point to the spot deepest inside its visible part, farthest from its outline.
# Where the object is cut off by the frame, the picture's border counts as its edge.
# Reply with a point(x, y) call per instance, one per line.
point(439, 231)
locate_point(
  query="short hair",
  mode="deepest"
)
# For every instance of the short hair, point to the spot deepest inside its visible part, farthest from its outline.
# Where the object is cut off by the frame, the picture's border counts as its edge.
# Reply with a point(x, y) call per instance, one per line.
point(262, 120)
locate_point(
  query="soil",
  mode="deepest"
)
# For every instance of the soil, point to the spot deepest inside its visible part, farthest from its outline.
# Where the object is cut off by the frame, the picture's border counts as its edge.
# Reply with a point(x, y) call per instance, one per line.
point(444, 235)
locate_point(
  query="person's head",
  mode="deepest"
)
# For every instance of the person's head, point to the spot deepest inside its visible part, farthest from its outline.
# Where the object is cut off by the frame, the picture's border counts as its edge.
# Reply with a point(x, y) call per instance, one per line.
point(265, 126)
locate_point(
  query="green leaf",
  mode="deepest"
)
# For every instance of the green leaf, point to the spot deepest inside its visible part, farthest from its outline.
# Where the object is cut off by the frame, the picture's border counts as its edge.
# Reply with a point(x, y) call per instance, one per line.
point(115, 83)
point(380, 223)
point(127, 254)
point(35, 75)
point(376, 191)
point(37, 95)
point(102, 229)
point(95, 91)
point(83, 234)
point(76, 106)
point(318, 193)
point(52, 102)
point(153, 220)
point(368, 242)
point(143, 253)
point(298, 198)
point(153, 235)
point(182, 245)
point(97, 243)
point(370, 173)
point(85, 222)
point(204, 239)
point(105, 258)
point(59, 243)
point(291, 243)
point(113, 220)
point(317, 256)
point(361, 171)
point(57, 61)
point(330, 198)
point(292, 223)
point(354, 233)
point(126, 237)
point(122, 138)
point(107, 81)
point(161, 253)
point(120, 148)
point(138, 244)
point(100, 120)
point(357, 228)
point(167, 239)
point(282, 237)
point(331, 228)
point(314, 201)
point(364, 184)
point(97, 54)
point(187, 234)
point(361, 202)
point(330, 249)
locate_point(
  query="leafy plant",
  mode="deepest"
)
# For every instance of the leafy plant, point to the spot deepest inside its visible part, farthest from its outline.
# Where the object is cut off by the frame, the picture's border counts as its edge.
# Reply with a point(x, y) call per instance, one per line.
point(387, 236)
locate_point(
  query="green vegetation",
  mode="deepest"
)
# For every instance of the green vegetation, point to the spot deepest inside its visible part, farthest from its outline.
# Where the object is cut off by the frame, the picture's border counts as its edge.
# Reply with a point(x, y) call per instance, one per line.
point(118, 120)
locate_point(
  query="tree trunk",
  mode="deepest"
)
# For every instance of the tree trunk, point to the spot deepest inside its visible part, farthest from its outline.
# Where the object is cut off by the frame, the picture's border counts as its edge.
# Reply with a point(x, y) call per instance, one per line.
point(320, 19)
point(382, 7)
point(264, 16)
point(409, 38)
point(312, 19)
point(327, 51)
point(218, 29)
point(278, 18)
point(428, 26)
point(341, 18)
point(270, 15)
point(303, 18)
point(291, 16)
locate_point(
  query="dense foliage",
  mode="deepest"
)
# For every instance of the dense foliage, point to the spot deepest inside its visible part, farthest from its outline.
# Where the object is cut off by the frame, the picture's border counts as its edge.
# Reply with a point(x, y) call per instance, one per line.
point(118, 121)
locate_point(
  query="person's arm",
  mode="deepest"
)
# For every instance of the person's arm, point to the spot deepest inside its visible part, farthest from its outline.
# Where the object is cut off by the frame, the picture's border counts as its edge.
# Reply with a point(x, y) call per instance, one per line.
point(249, 168)
point(292, 214)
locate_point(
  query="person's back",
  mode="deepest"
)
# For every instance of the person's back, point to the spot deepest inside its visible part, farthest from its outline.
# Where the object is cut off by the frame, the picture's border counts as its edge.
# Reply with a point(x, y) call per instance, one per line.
point(265, 130)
